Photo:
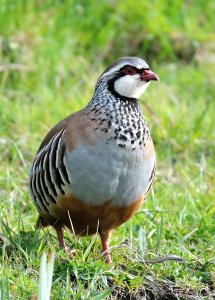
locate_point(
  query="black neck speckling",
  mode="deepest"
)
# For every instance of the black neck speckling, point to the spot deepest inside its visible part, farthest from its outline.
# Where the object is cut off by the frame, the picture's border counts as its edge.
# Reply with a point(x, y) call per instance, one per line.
point(120, 117)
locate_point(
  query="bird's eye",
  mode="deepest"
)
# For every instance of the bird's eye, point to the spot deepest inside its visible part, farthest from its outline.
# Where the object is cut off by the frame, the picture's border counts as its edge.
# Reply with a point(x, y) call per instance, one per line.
point(129, 71)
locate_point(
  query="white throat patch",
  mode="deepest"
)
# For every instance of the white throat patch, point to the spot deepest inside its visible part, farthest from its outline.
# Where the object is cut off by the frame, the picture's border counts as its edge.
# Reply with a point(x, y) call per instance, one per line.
point(130, 86)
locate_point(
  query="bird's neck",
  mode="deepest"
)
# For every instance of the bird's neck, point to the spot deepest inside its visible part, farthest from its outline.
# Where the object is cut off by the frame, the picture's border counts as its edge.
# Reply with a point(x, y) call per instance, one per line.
point(121, 118)
point(113, 105)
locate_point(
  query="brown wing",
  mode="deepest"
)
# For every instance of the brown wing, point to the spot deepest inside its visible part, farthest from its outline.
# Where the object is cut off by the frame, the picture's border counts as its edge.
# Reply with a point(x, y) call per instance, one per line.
point(58, 127)
point(48, 174)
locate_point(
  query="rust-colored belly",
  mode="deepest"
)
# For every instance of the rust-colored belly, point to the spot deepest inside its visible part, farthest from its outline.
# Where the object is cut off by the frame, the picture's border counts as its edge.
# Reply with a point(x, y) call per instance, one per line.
point(87, 219)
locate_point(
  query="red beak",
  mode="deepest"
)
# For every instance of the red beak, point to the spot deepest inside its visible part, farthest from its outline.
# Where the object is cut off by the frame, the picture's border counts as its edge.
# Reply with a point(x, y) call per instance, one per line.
point(148, 75)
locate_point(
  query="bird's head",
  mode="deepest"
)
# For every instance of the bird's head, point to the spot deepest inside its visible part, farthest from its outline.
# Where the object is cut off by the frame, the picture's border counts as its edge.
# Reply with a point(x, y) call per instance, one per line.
point(128, 77)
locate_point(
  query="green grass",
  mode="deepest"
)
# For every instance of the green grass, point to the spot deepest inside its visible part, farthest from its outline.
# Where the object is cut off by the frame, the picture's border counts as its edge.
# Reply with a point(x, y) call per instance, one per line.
point(51, 55)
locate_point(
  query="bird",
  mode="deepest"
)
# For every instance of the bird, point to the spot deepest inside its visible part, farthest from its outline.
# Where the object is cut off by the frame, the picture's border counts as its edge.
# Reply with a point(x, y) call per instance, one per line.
point(94, 169)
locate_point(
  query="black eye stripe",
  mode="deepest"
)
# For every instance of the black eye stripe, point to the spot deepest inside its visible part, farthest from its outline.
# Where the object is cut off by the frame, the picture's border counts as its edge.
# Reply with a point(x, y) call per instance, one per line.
point(144, 69)
point(139, 71)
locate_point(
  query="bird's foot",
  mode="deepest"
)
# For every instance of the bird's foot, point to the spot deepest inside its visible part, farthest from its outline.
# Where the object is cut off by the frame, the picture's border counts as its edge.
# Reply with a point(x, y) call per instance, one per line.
point(105, 238)
point(108, 259)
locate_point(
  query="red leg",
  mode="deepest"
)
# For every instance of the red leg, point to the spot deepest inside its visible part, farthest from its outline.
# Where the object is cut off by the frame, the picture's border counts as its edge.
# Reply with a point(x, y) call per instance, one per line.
point(105, 239)
point(62, 243)
point(60, 237)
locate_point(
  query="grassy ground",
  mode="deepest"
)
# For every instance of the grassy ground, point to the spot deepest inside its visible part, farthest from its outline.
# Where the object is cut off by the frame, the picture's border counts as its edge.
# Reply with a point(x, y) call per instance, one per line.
point(51, 55)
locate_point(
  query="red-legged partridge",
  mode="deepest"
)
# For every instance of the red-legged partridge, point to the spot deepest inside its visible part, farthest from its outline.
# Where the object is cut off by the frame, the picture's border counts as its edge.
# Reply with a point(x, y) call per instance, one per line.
point(94, 169)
